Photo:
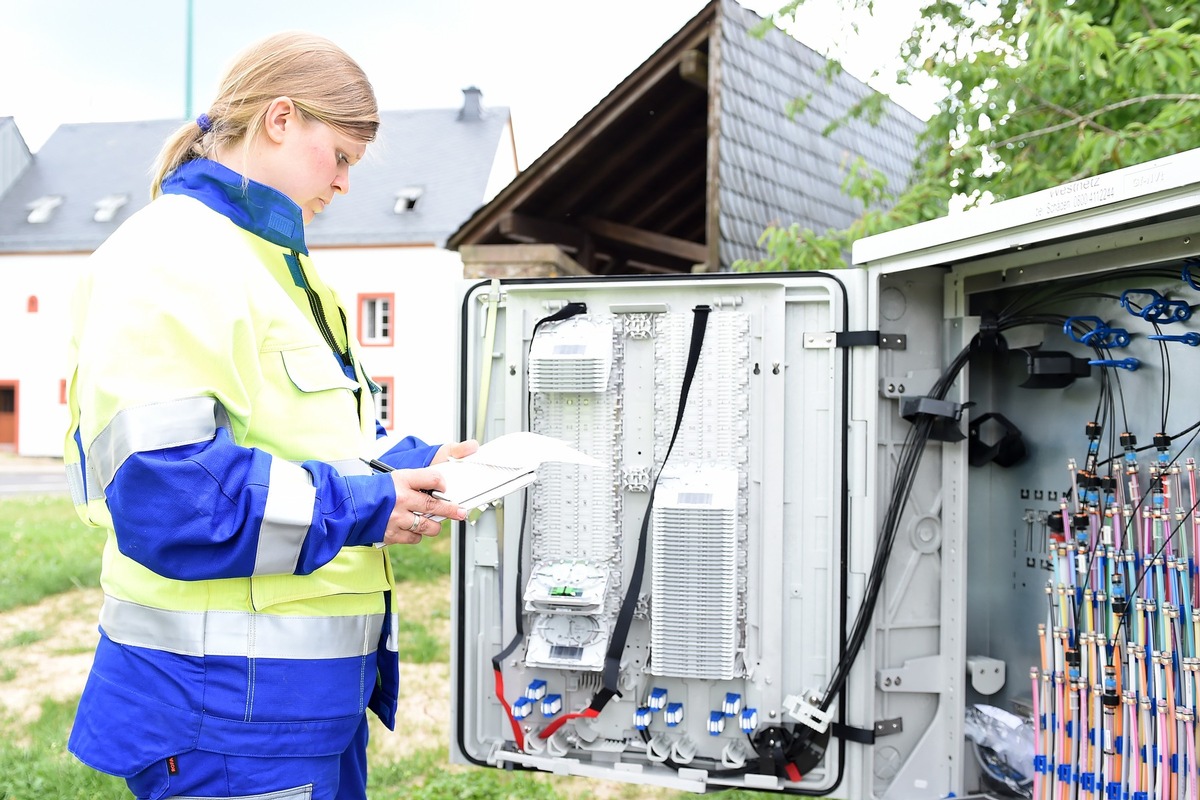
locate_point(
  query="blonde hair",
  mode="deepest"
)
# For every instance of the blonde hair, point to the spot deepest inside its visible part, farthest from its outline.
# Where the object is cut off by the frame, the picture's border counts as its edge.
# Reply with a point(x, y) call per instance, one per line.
point(322, 81)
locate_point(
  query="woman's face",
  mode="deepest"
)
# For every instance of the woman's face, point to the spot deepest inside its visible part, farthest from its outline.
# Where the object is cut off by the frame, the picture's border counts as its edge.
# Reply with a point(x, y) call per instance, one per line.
point(311, 163)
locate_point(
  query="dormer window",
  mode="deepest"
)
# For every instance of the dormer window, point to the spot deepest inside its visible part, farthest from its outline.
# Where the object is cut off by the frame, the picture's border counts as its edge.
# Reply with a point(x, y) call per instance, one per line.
point(406, 199)
point(41, 209)
point(107, 207)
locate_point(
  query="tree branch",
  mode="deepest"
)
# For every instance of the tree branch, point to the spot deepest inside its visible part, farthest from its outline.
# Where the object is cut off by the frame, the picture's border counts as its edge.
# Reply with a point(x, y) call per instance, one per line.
point(1150, 23)
point(1091, 115)
point(1066, 112)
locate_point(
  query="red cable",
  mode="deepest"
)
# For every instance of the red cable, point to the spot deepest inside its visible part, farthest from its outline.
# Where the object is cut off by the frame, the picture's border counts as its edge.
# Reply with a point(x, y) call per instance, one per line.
point(517, 734)
point(589, 713)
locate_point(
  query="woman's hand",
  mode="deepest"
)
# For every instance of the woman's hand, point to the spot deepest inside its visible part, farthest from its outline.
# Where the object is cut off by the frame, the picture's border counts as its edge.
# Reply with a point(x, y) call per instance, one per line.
point(418, 513)
point(455, 450)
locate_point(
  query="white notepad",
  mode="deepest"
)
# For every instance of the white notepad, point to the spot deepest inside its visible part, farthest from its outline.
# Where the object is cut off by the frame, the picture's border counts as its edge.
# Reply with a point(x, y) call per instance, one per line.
point(502, 466)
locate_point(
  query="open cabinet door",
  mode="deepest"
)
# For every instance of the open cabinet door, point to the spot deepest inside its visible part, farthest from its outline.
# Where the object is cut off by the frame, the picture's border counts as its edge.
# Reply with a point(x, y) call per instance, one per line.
point(671, 616)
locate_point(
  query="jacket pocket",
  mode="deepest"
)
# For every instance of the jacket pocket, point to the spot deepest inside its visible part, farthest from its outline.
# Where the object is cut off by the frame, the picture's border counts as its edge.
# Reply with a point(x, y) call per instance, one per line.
point(122, 732)
point(354, 571)
point(315, 369)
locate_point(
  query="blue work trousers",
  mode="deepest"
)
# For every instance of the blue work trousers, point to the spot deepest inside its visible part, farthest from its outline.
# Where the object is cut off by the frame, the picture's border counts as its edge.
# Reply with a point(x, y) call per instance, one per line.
point(201, 774)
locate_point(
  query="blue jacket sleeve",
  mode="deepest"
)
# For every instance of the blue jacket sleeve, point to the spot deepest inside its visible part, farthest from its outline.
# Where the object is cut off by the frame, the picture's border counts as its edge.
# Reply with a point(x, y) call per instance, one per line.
point(218, 510)
point(410, 453)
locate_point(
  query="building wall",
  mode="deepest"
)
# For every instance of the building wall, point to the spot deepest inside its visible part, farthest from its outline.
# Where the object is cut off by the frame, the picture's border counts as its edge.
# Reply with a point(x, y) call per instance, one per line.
point(425, 282)
point(33, 326)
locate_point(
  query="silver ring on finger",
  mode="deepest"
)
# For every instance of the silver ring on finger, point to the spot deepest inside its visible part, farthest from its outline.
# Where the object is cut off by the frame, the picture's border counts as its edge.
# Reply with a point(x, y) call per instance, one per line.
point(416, 523)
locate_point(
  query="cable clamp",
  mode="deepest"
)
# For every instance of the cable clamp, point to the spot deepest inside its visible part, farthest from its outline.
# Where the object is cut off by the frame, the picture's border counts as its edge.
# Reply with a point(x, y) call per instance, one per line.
point(990, 340)
point(1100, 334)
point(1158, 308)
point(1186, 273)
point(946, 415)
point(1052, 369)
point(806, 713)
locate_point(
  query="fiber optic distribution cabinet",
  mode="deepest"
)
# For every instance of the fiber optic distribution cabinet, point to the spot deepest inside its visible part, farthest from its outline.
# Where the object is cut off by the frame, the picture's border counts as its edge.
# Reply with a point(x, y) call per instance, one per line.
point(924, 526)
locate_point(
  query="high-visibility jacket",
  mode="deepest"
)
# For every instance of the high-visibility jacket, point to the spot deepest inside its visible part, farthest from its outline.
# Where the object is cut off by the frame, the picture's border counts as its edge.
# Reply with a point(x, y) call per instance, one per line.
point(219, 419)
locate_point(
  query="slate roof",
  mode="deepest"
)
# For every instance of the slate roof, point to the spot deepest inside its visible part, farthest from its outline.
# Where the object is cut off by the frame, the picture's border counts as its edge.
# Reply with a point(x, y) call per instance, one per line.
point(450, 160)
point(634, 186)
point(432, 150)
point(779, 170)
point(14, 153)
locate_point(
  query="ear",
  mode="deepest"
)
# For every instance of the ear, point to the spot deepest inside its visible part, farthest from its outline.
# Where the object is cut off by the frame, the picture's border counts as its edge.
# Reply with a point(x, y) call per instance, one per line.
point(281, 114)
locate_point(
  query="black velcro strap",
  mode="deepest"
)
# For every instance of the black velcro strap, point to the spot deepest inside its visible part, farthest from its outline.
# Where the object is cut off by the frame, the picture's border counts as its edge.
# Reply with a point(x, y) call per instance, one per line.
point(858, 338)
point(859, 735)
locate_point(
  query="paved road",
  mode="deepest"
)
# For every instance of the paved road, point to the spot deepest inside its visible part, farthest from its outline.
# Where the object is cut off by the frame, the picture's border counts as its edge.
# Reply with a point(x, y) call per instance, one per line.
point(19, 476)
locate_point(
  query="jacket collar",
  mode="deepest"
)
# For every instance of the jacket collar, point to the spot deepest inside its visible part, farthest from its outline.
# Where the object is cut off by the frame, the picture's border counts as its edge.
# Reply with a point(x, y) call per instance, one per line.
point(254, 207)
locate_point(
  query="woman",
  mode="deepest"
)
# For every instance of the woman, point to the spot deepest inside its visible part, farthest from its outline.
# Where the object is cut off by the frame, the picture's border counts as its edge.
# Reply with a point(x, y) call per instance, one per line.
point(221, 428)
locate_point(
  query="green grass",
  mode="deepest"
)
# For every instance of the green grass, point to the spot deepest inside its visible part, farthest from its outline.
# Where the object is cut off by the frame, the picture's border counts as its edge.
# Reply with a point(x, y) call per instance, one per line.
point(35, 764)
point(424, 562)
point(419, 646)
point(22, 638)
point(47, 550)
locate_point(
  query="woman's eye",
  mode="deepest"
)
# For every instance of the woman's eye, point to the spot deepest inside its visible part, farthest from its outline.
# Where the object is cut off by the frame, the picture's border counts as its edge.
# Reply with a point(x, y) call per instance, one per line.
point(343, 158)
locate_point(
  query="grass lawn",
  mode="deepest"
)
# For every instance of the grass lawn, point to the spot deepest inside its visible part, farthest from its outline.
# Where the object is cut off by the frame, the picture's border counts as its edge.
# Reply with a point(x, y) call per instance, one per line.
point(48, 603)
point(47, 549)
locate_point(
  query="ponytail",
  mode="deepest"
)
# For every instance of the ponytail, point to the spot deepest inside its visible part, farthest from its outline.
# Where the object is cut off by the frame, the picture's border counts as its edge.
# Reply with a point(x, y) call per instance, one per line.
point(182, 146)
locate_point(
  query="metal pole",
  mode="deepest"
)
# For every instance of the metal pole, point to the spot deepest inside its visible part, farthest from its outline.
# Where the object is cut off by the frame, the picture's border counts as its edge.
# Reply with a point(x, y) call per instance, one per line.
point(187, 72)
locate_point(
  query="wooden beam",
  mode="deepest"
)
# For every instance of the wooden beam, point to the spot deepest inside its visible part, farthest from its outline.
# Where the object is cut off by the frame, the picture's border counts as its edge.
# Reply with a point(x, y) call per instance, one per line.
point(655, 129)
point(684, 211)
point(672, 161)
point(583, 133)
point(693, 68)
point(589, 253)
point(646, 240)
point(524, 228)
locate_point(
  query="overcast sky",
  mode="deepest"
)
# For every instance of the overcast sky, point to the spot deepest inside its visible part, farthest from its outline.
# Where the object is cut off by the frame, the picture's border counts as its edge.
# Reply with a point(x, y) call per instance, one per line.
point(548, 61)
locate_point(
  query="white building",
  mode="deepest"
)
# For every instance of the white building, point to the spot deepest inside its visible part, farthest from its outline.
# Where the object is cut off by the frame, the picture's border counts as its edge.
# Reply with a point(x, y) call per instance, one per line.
point(382, 247)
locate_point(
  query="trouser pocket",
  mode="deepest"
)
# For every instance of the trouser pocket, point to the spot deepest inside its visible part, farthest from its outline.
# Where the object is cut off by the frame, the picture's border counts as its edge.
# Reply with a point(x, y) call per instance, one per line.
point(299, 793)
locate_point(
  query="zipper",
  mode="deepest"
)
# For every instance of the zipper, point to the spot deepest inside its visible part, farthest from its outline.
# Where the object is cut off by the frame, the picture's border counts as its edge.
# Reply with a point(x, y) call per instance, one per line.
point(318, 312)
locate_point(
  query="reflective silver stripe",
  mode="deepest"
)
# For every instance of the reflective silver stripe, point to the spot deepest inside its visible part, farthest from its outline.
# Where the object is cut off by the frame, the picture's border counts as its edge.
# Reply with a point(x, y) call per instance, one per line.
point(299, 793)
point(393, 640)
point(239, 633)
point(291, 498)
point(75, 483)
point(153, 427)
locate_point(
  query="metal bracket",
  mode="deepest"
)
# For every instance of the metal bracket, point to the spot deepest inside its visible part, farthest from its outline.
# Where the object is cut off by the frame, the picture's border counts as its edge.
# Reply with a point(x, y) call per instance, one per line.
point(922, 675)
point(830, 339)
point(886, 727)
point(987, 674)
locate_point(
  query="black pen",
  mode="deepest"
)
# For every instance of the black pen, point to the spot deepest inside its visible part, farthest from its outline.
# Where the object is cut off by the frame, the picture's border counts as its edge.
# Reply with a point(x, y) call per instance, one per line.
point(379, 466)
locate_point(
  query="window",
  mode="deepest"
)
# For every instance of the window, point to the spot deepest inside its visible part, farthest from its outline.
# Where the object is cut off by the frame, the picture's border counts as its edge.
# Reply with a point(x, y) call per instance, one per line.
point(31, 305)
point(42, 208)
point(375, 319)
point(406, 199)
point(62, 391)
point(383, 401)
point(107, 207)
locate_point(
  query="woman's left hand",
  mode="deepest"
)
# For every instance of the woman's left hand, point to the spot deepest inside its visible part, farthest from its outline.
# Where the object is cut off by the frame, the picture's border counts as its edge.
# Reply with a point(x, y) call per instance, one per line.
point(455, 450)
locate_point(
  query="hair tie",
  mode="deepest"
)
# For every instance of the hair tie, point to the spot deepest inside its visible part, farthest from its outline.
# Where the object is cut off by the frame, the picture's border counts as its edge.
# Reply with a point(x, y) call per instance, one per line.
point(204, 123)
